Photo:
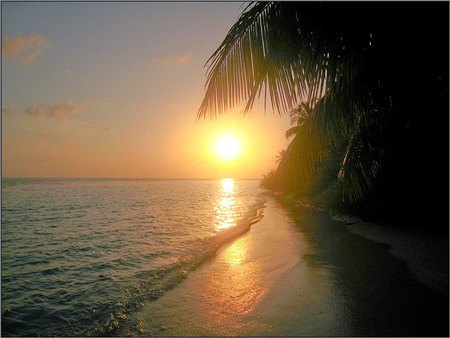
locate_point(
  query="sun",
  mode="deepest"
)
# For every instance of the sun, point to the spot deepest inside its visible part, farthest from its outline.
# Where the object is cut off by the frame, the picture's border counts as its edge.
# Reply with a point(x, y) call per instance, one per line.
point(227, 147)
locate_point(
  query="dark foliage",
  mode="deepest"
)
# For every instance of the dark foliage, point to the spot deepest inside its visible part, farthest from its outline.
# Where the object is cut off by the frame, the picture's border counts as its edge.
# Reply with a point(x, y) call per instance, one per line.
point(380, 70)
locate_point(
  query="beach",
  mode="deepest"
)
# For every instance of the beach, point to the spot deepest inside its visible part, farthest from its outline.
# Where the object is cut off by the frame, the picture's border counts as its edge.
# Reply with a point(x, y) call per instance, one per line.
point(298, 272)
point(80, 256)
point(222, 258)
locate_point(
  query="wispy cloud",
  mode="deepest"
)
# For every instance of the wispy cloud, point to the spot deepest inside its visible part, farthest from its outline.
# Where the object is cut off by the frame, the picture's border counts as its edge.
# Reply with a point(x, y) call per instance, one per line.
point(57, 111)
point(34, 110)
point(105, 129)
point(63, 110)
point(175, 61)
point(23, 48)
point(8, 110)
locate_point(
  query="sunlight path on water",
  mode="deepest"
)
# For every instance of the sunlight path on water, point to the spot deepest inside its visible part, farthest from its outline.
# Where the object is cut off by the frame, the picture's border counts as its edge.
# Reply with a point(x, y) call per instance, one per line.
point(225, 205)
point(297, 274)
point(225, 295)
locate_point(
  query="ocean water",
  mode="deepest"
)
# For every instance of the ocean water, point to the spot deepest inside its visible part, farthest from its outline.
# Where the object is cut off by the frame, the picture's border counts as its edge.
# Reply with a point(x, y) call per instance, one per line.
point(80, 255)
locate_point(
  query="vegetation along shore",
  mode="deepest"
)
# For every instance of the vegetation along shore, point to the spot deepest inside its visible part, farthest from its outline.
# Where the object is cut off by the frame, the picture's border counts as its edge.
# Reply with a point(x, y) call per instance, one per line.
point(366, 88)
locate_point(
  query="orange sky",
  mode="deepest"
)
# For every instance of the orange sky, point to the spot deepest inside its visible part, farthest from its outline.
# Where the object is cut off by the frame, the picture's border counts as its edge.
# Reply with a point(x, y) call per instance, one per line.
point(113, 89)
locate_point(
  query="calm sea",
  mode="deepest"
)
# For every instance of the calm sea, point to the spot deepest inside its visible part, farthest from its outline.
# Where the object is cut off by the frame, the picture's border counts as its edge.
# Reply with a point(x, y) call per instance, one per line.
point(80, 255)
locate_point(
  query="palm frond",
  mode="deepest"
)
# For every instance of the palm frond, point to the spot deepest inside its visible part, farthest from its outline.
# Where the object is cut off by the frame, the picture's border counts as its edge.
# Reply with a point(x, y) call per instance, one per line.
point(292, 131)
point(331, 125)
point(293, 52)
point(261, 52)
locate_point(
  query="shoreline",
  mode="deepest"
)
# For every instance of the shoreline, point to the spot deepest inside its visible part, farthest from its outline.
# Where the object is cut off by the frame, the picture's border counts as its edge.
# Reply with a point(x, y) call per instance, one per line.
point(296, 273)
point(425, 253)
point(223, 296)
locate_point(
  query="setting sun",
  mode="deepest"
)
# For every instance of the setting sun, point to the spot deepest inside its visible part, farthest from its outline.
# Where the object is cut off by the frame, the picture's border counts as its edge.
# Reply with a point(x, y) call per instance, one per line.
point(227, 147)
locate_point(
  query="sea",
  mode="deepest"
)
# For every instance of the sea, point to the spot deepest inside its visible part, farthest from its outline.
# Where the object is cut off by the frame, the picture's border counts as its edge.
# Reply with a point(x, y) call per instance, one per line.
point(80, 255)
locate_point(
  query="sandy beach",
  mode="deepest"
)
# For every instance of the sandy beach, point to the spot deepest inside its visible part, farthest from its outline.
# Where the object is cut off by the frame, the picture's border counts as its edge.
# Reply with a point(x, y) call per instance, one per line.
point(300, 273)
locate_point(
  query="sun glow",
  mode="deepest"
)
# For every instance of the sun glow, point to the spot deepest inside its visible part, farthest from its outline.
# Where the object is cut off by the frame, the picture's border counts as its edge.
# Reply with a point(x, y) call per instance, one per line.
point(227, 147)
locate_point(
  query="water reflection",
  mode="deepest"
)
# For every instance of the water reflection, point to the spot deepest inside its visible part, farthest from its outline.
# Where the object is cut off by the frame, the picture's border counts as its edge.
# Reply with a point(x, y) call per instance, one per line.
point(227, 185)
point(226, 205)
point(236, 286)
point(236, 253)
point(233, 290)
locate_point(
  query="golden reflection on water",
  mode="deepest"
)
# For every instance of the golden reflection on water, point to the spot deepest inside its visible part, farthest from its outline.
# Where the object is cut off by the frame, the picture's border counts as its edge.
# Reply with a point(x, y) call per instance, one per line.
point(226, 205)
point(236, 253)
point(227, 185)
point(235, 288)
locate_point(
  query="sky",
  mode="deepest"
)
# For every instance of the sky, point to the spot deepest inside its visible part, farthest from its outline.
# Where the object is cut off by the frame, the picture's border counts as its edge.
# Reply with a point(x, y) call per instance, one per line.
point(112, 89)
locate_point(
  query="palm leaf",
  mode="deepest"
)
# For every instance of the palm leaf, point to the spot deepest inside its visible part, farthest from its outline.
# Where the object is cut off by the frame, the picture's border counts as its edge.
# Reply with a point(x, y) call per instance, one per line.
point(260, 52)
point(294, 52)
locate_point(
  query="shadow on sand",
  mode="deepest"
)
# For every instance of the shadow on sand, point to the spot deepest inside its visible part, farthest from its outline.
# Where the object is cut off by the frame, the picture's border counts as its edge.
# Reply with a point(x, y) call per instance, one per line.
point(376, 293)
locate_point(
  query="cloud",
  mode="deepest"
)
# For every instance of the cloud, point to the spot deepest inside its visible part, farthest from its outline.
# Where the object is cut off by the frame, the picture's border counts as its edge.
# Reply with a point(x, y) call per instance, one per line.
point(63, 110)
point(57, 111)
point(175, 61)
point(104, 129)
point(34, 110)
point(8, 110)
point(23, 48)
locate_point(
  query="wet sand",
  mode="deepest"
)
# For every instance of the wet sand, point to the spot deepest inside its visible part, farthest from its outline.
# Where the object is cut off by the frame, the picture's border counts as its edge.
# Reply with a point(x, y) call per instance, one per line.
point(297, 273)
point(425, 253)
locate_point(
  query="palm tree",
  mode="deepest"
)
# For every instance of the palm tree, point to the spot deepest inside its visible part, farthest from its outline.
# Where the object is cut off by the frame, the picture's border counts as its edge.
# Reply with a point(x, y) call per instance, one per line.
point(356, 58)
point(299, 116)
point(280, 156)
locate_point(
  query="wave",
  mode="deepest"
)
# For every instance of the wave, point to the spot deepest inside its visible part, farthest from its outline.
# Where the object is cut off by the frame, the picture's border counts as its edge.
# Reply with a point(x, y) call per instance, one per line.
point(152, 284)
point(74, 268)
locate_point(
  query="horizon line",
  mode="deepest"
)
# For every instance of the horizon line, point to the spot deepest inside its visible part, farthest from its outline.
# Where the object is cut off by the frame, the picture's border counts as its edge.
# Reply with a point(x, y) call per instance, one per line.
point(130, 178)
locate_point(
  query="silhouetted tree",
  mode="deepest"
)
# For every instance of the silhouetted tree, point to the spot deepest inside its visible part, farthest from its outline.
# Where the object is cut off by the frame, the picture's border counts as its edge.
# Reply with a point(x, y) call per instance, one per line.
point(280, 156)
point(376, 68)
point(299, 116)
